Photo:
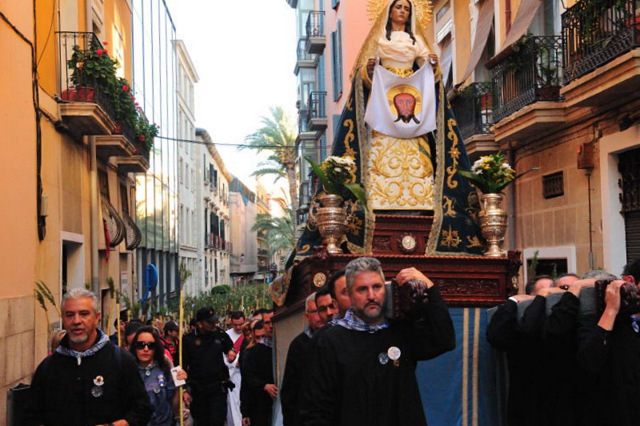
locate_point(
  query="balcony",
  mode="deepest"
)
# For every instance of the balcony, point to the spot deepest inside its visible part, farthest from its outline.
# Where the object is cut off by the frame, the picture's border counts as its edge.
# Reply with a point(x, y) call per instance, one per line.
point(213, 241)
point(526, 81)
point(473, 108)
point(315, 32)
point(304, 132)
point(136, 163)
point(304, 58)
point(116, 144)
point(85, 108)
point(602, 62)
point(317, 111)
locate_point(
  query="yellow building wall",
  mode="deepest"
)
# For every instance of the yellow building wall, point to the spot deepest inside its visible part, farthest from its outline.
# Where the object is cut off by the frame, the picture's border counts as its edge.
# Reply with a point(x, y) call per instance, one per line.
point(18, 251)
point(18, 171)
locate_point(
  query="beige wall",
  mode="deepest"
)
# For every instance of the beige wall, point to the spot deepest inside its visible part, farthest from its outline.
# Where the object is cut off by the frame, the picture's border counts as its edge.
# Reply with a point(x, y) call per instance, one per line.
point(564, 221)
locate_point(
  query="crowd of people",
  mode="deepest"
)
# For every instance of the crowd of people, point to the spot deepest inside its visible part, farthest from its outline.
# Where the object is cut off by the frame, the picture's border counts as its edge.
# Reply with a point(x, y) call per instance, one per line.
point(132, 377)
point(572, 347)
point(129, 378)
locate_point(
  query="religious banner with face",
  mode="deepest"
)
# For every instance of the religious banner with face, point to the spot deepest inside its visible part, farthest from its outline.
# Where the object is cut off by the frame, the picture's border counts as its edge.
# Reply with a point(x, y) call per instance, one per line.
point(402, 107)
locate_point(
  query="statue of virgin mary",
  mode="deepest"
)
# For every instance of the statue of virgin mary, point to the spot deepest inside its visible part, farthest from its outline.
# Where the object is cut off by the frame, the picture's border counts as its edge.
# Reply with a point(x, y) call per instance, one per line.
point(399, 127)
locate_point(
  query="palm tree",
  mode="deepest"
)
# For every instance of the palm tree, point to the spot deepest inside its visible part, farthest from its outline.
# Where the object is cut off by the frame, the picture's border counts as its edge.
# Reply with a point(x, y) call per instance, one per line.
point(278, 137)
point(279, 231)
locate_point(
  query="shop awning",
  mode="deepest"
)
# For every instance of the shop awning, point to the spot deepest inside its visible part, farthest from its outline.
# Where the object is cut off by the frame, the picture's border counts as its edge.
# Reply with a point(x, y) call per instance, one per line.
point(483, 28)
point(526, 13)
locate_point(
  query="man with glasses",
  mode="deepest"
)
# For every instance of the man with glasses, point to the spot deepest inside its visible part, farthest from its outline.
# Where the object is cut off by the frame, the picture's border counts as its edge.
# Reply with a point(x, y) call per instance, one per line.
point(208, 381)
point(295, 368)
point(326, 305)
point(267, 314)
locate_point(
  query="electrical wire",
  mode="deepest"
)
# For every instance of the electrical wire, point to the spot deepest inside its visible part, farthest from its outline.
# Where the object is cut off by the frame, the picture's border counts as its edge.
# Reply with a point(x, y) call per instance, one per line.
point(239, 145)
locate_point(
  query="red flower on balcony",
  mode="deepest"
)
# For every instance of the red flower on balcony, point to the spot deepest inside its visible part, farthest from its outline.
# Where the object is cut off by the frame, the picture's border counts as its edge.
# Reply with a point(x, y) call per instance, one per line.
point(105, 43)
point(125, 88)
point(142, 138)
point(100, 52)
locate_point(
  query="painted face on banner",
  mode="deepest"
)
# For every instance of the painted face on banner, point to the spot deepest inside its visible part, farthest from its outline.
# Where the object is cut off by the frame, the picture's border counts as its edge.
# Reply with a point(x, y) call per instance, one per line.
point(405, 103)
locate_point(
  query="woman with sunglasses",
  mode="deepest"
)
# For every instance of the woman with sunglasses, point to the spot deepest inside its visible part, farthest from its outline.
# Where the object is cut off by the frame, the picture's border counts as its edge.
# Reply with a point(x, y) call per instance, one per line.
point(155, 370)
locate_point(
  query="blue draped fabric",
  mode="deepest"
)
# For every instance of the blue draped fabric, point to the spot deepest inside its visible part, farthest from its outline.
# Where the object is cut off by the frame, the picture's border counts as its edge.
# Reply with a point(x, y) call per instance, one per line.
point(459, 387)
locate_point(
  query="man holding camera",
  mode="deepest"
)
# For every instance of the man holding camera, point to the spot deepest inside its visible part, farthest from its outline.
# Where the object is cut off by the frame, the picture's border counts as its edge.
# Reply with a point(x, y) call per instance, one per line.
point(208, 381)
point(365, 365)
point(609, 347)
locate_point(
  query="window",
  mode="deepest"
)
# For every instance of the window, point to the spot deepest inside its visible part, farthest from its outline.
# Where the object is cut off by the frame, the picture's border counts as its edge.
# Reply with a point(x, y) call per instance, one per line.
point(442, 11)
point(204, 168)
point(553, 185)
point(336, 57)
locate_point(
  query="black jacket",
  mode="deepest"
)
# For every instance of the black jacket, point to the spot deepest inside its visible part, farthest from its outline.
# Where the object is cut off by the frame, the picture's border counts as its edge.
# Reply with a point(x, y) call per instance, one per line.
point(257, 371)
point(63, 390)
point(353, 381)
point(294, 374)
point(202, 358)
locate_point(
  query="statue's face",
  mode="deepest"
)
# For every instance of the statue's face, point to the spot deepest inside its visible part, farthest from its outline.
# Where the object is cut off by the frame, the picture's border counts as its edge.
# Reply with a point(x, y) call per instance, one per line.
point(405, 104)
point(400, 12)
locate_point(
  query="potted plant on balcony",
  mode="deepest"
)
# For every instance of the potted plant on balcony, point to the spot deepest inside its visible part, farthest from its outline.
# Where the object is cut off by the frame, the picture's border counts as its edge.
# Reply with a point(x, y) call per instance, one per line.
point(547, 75)
point(91, 69)
point(145, 132)
point(125, 106)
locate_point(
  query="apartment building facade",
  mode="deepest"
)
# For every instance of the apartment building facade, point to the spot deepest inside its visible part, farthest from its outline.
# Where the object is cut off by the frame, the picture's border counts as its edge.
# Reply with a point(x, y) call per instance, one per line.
point(191, 246)
point(214, 215)
point(155, 73)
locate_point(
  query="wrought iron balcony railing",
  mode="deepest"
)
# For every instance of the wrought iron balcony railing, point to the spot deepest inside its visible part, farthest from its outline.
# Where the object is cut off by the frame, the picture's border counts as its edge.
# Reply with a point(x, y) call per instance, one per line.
point(74, 86)
point(315, 41)
point(596, 31)
point(531, 73)
point(315, 24)
point(303, 55)
point(473, 107)
point(303, 121)
point(317, 105)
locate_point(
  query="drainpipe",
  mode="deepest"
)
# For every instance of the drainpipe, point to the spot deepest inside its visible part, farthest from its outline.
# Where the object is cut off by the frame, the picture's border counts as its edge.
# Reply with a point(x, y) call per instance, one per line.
point(93, 185)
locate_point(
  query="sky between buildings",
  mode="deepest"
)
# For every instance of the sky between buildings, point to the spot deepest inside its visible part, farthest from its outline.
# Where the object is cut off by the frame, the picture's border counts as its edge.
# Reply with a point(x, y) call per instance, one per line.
point(244, 53)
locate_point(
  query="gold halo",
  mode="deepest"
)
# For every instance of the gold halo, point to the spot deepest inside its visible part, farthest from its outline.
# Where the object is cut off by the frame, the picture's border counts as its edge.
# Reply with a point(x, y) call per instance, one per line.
point(404, 88)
